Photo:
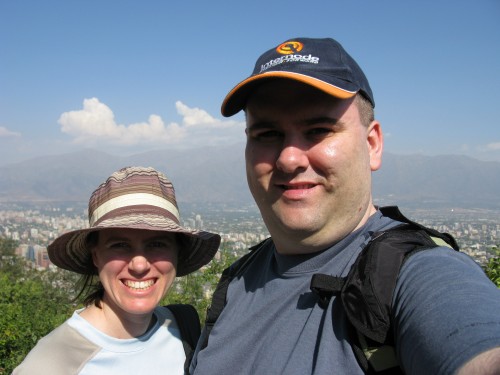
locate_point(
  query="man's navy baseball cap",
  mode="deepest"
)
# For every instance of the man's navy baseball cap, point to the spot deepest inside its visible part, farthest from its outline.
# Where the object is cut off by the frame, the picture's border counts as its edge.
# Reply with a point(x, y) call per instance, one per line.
point(321, 63)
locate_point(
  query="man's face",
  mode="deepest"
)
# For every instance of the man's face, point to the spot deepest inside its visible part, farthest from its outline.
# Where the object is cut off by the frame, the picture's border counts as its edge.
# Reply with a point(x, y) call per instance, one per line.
point(309, 161)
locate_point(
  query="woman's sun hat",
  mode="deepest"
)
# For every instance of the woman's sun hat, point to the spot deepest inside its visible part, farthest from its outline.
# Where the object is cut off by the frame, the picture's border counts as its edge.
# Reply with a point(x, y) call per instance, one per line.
point(134, 198)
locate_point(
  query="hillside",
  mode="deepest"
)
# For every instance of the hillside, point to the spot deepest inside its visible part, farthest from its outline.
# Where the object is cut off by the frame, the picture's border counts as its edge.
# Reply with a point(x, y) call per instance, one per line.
point(216, 175)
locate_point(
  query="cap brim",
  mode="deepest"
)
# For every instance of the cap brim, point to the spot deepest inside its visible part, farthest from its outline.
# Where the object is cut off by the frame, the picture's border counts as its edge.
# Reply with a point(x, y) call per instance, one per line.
point(236, 99)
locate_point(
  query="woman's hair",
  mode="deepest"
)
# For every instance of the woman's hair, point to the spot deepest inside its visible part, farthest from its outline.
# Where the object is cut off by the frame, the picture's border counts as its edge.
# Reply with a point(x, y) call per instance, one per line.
point(91, 288)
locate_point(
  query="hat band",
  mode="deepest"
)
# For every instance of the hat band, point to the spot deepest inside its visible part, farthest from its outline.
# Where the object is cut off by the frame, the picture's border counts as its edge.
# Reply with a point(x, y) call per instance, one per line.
point(132, 200)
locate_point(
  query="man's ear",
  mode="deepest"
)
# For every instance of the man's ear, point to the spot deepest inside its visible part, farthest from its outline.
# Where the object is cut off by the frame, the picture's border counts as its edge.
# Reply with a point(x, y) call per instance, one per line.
point(375, 141)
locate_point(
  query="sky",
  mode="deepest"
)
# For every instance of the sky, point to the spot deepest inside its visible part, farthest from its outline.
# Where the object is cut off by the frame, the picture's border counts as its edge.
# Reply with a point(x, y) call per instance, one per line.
point(129, 76)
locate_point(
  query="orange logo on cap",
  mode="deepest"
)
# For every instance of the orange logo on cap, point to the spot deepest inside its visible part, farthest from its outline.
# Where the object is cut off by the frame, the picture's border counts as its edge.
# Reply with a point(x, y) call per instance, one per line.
point(288, 48)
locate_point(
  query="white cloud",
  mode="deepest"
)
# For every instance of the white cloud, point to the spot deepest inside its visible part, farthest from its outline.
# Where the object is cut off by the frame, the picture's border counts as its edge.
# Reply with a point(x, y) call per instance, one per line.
point(198, 117)
point(4, 132)
point(96, 123)
point(495, 146)
point(464, 147)
point(194, 116)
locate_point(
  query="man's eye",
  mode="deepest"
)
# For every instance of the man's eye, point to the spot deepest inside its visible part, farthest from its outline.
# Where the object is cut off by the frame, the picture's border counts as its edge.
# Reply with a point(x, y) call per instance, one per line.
point(319, 131)
point(266, 135)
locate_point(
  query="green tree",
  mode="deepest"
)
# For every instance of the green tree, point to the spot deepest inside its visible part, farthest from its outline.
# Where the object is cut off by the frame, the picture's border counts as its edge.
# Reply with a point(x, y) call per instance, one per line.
point(7, 247)
point(492, 268)
point(32, 305)
point(33, 302)
point(196, 288)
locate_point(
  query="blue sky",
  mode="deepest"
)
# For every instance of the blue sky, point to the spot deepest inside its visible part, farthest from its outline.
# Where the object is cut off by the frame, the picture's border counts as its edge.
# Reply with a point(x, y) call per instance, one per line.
point(131, 76)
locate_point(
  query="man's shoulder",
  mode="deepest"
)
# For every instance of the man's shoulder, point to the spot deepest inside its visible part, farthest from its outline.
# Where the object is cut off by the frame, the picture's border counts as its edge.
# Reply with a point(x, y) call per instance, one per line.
point(443, 258)
point(381, 221)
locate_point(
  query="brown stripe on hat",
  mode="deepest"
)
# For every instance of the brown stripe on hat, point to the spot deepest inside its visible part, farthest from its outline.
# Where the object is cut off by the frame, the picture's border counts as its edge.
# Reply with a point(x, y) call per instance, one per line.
point(138, 181)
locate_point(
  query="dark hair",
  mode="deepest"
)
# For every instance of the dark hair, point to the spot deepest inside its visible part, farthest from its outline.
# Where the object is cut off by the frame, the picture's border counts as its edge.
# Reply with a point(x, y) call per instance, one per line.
point(91, 288)
point(365, 109)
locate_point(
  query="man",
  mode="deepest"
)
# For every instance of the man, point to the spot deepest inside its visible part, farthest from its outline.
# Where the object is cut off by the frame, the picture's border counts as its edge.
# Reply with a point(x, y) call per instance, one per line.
point(312, 144)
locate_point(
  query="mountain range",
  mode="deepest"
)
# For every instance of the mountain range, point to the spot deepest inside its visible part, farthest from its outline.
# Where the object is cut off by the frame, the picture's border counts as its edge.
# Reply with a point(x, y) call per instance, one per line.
point(216, 175)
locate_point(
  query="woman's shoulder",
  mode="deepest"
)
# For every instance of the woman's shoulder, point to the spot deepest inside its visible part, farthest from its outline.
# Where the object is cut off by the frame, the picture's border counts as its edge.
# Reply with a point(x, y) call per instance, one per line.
point(62, 351)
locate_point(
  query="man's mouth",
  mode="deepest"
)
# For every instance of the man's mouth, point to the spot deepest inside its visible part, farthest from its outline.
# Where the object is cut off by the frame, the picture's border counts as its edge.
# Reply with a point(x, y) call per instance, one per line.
point(297, 186)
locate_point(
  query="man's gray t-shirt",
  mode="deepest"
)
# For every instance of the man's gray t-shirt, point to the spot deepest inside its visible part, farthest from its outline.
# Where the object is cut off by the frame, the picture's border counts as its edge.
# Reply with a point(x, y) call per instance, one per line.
point(272, 323)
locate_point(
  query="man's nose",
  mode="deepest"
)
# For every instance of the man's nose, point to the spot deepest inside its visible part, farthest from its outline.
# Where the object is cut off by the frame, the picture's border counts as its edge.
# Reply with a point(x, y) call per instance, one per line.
point(292, 157)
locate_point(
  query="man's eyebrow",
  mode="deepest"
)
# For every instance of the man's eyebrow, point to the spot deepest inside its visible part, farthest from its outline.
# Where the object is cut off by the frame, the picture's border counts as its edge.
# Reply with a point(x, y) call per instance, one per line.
point(261, 125)
point(321, 120)
point(265, 124)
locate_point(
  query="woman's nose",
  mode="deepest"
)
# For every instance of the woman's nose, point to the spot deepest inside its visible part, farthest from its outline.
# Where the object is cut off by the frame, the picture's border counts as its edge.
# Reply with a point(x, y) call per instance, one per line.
point(139, 263)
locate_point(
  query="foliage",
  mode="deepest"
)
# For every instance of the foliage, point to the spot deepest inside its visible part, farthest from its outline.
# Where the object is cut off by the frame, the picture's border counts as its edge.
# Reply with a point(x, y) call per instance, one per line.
point(196, 288)
point(34, 302)
point(7, 247)
point(31, 305)
point(493, 267)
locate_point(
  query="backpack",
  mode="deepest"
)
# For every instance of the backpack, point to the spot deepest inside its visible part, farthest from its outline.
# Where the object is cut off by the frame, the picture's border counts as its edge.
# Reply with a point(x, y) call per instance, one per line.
point(188, 321)
point(365, 293)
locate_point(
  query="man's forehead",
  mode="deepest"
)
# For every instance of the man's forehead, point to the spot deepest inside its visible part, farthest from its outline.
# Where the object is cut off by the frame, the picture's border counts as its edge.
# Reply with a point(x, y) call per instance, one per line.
point(285, 92)
point(260, 120)
point(277, 99)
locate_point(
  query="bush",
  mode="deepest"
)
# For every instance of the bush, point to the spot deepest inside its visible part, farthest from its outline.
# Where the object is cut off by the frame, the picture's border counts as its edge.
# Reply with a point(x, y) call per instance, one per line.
point(31, 307)
point(492, 268)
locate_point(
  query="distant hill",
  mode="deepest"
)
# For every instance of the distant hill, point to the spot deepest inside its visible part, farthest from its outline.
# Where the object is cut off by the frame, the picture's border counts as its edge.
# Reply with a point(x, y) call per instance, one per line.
point(217, 175)
point(438, 181)
point(206, 175)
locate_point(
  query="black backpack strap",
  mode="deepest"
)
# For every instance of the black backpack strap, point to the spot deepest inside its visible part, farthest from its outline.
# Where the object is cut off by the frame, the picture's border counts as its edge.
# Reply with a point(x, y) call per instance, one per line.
point(220, 293)
point(366, 293)
point(367, 296)
point(439, 238)
point(188, 322)
point(325, 287)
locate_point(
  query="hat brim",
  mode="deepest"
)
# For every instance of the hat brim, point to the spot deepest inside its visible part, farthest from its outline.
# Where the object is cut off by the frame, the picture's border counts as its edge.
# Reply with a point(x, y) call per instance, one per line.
point(70, 250)
point(236, 99)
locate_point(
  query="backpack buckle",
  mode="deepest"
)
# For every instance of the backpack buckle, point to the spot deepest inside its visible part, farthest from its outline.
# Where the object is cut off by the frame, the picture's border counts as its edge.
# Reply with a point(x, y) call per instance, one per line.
point(325, 286)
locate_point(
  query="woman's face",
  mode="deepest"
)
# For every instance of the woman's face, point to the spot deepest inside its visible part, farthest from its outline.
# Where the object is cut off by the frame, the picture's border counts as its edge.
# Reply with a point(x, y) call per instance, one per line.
point(136, 268)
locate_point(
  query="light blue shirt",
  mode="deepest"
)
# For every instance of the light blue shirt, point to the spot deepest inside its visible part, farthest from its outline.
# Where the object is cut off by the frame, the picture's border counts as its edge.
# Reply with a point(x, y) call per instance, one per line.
point(77, 347)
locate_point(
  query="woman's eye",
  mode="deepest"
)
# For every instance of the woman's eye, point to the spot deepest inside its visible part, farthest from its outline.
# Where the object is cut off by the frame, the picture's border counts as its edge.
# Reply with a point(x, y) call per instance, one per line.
point(118, 245)
point(157, 244)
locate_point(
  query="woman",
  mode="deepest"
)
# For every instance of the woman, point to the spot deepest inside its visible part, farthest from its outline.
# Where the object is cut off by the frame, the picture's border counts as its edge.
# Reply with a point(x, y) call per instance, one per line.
point(133, 249)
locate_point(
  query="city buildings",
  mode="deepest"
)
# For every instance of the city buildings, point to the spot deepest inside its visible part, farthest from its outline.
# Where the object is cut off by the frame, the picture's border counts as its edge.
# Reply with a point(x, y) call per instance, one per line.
point(477, 231)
